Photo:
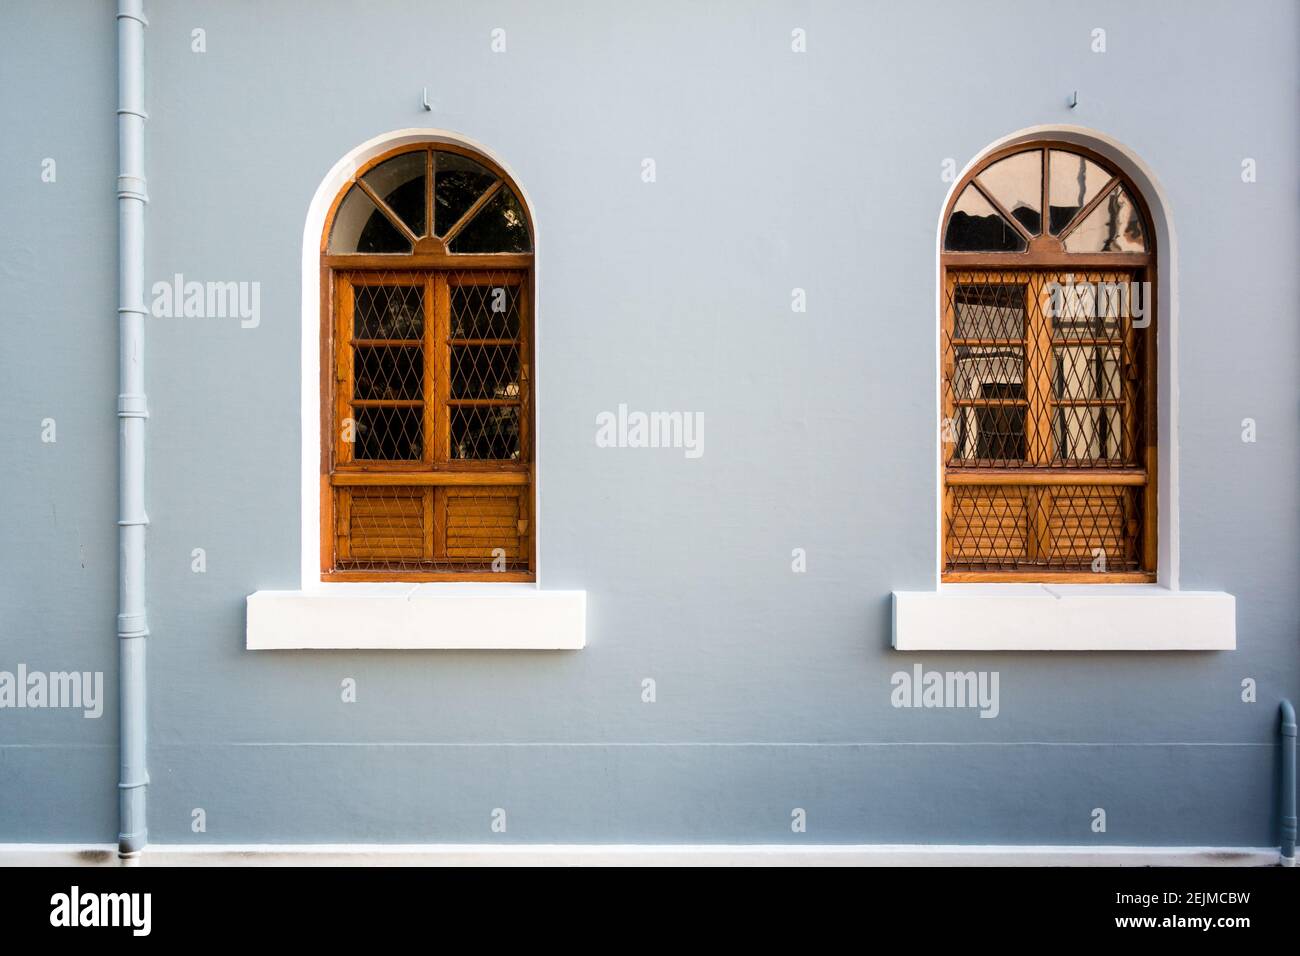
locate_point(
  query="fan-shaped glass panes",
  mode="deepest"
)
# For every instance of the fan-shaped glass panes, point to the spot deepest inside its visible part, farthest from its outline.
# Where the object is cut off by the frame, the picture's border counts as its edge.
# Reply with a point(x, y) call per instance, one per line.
point(400, 184)
point(359, 226)
point(1017, 184)
point(1017, 188)
point(1114, 225)
point(499, 227)
point(459, 182)
point(1075, 180)
point(469, 210)
point(975, 226)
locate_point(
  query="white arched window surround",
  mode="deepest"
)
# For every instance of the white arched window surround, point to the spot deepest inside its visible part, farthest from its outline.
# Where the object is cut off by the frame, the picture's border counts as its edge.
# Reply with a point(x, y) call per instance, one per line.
point(471, 615)
point(1079, 616)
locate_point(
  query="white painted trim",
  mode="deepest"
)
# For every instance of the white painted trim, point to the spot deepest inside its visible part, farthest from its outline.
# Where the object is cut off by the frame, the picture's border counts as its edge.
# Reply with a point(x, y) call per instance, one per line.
point(1167, 568)
point(633, 855)
point(330, 187)
point(1067, 617)
point(471, 616)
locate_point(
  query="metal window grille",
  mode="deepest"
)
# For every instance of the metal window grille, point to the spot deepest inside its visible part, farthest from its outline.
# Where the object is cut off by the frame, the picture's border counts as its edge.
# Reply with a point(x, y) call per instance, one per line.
point(1044, 404)
point(432, 439)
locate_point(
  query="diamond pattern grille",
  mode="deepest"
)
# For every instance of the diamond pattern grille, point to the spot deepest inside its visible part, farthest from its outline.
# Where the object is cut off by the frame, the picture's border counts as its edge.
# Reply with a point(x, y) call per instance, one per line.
point(1051, 527)
point(1042, 377)
point(431, 384)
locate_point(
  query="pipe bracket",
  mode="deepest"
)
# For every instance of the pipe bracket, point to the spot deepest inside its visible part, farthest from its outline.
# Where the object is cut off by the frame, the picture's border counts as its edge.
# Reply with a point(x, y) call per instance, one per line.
point(132, 187)
point(132, 625)
point(132, 406)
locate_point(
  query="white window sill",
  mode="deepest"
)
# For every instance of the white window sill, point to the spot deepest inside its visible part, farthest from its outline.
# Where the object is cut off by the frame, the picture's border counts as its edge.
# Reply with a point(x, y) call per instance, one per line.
point(1064, 617)
point(470, 616)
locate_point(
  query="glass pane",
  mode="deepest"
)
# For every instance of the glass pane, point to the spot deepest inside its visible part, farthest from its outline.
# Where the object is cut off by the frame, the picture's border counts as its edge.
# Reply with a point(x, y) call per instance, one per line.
point(389, 434)
point(1072, 182)
point(459, 181)
point(989, 311)
point(400, 182)
point(385, 372)
point(485, 371)
point(1000, 429)
point(1085, 309)
point(1087, 371)
point(388, 312)
point(485, 311)
point(485, 432)
point(500, 226)
point(975, 226)
point(994, 379)
point(1114, 226)
point(359, 226)
point(1088, 433)
point(1017, 183)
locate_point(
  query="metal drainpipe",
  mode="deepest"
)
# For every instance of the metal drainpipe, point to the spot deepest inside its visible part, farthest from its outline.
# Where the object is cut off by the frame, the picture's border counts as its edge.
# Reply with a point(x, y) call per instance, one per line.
point(1288, 784)
point(132, 410)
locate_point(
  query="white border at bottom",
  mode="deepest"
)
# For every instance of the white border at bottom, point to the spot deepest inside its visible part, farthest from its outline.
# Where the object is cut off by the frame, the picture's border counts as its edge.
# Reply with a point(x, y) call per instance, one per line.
point(635, 855)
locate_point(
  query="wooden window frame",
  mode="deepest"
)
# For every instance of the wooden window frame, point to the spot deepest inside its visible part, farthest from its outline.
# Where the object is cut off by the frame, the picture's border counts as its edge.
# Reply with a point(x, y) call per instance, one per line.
point(430, 263)
point(1046, 253)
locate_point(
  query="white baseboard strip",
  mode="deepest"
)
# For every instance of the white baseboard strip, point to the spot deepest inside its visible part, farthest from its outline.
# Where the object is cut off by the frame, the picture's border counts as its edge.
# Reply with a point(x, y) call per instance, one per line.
point(35, 854)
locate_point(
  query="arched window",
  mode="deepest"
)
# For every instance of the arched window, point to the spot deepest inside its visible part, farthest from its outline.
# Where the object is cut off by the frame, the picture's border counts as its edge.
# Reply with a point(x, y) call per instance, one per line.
point(1048, 371)
point(426, 363)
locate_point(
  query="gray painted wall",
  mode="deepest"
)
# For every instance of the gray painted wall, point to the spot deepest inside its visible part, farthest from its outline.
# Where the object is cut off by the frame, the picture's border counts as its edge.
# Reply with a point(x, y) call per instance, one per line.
point(775, 170)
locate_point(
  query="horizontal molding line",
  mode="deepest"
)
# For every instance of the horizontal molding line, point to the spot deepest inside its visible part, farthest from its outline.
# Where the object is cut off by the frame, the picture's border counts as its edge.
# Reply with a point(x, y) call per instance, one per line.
point(721, 743)
point(499, 854)
point(632, 744)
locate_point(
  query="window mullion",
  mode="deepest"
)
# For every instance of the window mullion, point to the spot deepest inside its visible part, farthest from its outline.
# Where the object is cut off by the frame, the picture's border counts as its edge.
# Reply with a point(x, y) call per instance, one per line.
point(1038, 413)
point(439, 355)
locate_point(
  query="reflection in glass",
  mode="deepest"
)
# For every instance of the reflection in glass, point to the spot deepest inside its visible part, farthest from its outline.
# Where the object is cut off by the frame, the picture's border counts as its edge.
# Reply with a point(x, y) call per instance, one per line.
point(1084, 373)
point(1073, 181)
point(480, 311)
point(485, 371)
point(1000, 429)
point(1017, 184)
point(387, 373)
point(1086, 309)
point(359, 226)
point(989, 311)
point(500, 226)
point(388, 312)
point(485, 432)
point(975, 226)
point(1114, 226)
point(458, 181)
point(399, 182)
point(389, 434)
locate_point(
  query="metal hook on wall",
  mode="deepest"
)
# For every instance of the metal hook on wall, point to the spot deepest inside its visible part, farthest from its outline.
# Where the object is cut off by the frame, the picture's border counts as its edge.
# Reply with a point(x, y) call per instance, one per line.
point(1074, 100)
point(424, 99)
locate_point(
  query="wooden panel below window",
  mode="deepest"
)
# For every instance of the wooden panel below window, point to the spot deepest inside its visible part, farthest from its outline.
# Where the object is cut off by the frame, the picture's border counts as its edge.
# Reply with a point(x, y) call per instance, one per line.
point(1082, 521)
point(382, 524)
point(989, 525)
point(479, 520)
